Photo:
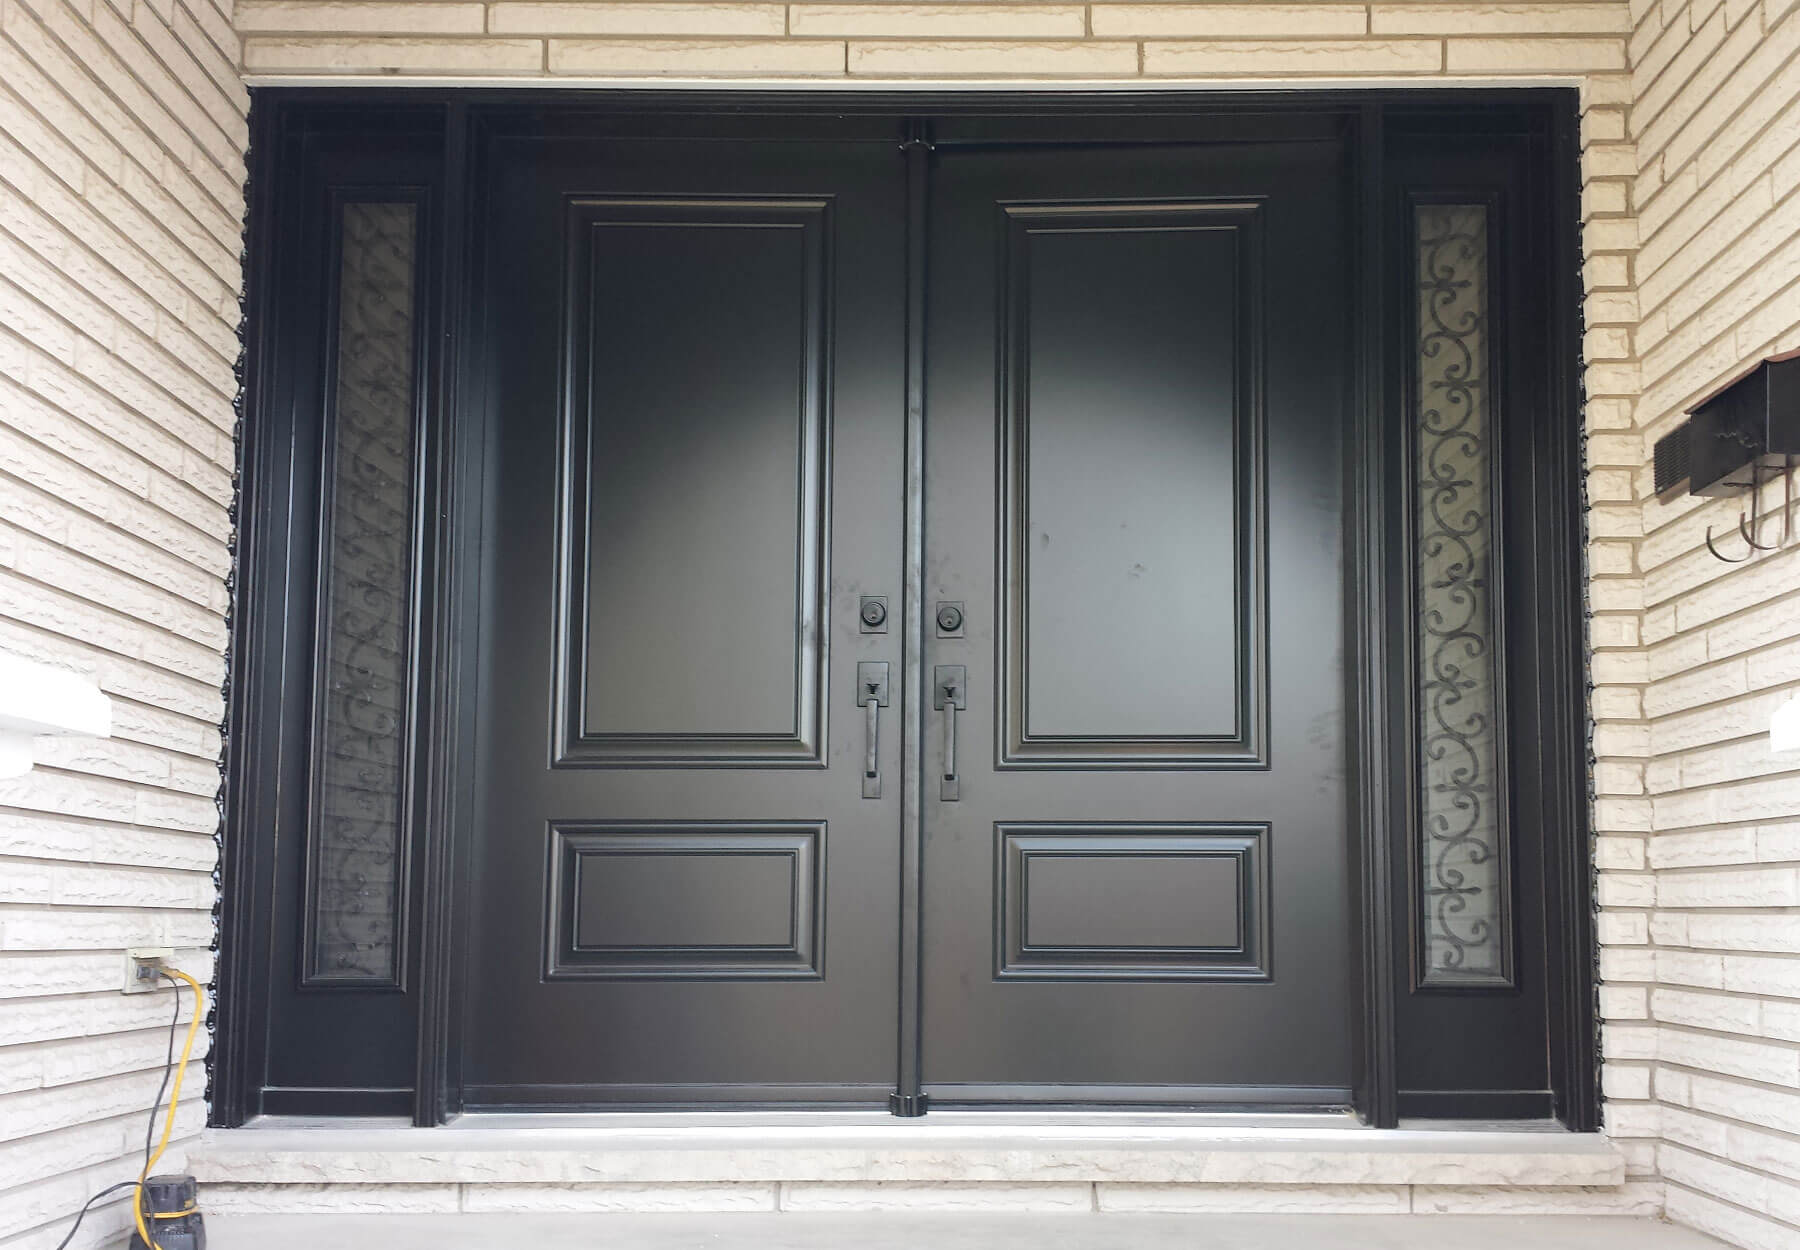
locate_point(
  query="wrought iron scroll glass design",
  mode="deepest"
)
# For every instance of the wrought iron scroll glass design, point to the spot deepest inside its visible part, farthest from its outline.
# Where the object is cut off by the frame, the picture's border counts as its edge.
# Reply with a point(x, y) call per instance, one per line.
point(355, 868)
point(1462, 861)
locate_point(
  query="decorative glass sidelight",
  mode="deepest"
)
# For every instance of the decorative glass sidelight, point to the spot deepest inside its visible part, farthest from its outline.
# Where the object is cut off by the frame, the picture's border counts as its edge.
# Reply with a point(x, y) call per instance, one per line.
point(355, 864)
point(1462, 862)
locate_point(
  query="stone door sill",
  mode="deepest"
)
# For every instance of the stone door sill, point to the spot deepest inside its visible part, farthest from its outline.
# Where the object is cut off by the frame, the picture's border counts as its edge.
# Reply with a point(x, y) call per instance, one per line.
point(960, 1231)
point(858, 1149)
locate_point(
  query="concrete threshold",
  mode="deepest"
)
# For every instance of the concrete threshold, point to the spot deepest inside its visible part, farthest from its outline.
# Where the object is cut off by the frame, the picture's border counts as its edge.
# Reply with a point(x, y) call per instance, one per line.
point(891, 1231)
point(973, 1150)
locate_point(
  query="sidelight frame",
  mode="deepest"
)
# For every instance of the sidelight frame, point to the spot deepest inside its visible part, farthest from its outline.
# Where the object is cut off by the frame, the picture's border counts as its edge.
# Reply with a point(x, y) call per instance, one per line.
point(438, 804)
point(1524, 170)
point(270, 685)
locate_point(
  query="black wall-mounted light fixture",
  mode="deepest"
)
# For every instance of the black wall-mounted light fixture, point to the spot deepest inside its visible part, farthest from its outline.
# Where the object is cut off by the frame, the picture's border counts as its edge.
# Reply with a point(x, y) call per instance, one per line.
point(1739, 438)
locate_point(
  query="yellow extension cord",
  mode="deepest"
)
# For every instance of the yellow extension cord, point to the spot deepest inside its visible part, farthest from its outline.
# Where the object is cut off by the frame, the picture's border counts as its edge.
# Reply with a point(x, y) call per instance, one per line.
point(137, 1202)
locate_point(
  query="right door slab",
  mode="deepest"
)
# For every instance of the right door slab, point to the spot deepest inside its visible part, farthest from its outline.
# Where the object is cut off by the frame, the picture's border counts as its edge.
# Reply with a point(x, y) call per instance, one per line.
point(1137, 887)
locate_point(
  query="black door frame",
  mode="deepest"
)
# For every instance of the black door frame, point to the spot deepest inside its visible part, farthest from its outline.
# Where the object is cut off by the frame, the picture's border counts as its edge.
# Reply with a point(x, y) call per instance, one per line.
point(286, 125)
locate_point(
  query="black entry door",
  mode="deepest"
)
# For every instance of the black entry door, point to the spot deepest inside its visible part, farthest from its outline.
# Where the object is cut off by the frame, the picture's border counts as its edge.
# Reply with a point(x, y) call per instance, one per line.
point(594, 444)
point(684, 871)
point(1137, 864)
point(686, 881)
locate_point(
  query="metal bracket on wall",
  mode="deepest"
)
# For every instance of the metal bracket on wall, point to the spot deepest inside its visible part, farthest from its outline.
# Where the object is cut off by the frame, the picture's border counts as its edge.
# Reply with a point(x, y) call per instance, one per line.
point(1750, 527)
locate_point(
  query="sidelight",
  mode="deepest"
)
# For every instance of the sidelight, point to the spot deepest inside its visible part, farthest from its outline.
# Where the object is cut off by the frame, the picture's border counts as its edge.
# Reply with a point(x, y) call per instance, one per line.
point(354, 869)
point(1462, 863)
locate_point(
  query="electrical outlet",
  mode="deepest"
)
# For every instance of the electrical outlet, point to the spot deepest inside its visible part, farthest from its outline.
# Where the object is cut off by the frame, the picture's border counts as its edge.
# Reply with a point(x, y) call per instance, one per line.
point(141, 975)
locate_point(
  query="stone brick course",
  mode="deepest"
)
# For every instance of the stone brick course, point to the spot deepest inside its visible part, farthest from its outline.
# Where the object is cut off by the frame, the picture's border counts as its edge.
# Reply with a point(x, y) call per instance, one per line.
point(953, 41)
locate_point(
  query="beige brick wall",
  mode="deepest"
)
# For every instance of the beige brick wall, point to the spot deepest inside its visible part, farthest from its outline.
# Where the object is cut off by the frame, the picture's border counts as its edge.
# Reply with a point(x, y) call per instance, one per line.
point(1584, 42)
point(959, 39)
point(1705, 989)
point(1698, 829)
point(121, 165)
point(120, 161)
point(1155, 44)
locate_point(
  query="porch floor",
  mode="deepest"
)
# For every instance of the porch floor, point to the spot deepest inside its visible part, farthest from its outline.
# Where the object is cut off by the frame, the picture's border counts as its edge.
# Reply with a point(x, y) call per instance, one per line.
point(943, 1231)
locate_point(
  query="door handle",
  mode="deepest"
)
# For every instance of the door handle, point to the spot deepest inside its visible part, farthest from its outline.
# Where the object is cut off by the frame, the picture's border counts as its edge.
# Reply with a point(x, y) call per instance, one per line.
point(872, 694)
point(948, 694)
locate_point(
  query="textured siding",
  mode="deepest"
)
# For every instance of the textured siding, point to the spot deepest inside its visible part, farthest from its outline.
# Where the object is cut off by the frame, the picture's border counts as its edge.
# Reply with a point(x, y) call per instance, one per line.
point(1158, 44)
point(1585, 41)
point(955, 40)
point(1711, 888)
point(121, 166)
point(121, 159)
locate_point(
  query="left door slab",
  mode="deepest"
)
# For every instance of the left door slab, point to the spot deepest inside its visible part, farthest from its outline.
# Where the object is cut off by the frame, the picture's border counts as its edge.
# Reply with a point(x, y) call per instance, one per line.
point(693, 361)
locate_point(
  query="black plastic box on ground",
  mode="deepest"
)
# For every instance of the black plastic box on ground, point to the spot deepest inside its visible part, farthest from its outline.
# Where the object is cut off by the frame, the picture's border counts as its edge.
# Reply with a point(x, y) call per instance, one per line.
point(171, 1202)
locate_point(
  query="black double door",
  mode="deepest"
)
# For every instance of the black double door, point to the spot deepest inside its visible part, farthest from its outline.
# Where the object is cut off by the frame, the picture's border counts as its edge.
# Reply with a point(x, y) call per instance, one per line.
point(1091, 397)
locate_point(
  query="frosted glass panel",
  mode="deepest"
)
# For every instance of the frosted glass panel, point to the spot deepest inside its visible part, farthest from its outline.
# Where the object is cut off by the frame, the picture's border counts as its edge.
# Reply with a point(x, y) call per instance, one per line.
point(1465, 910)
point(355, 876)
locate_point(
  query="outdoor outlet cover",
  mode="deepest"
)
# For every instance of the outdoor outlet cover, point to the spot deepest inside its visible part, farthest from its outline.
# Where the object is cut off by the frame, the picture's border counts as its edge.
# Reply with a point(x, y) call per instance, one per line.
point(135, 958)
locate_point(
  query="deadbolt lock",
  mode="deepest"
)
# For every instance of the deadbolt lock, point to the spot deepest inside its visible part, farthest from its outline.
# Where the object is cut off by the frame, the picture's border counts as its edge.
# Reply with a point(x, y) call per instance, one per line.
point(874, 614)
point(950, 618)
